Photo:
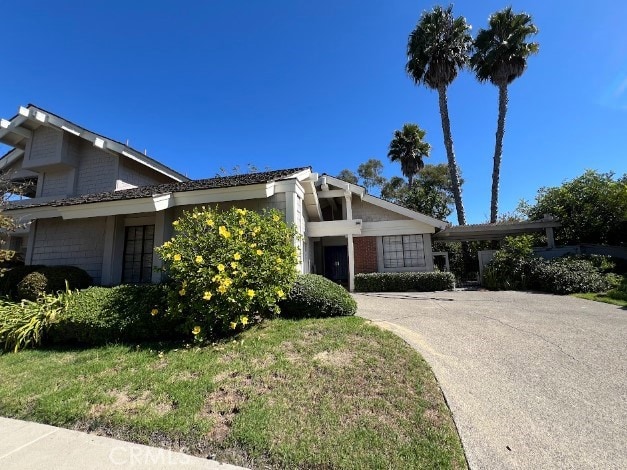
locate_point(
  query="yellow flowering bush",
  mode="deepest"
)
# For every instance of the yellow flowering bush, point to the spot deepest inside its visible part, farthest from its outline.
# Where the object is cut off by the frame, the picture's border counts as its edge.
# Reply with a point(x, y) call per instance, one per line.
point(228, 268)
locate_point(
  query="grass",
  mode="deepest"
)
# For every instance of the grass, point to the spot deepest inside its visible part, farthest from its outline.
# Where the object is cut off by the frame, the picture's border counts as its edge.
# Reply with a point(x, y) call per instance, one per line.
point(602, 298)
point(323, 393)
point(616, 296)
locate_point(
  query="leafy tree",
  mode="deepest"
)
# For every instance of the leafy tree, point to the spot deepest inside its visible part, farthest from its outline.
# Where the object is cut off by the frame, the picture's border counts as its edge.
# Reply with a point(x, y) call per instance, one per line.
point(500, 56)
point(10, 189)
point(409, 148)
point(592, 208)
point(370, 173)
point(348, 176)
point(430, 194)
point(437, 49)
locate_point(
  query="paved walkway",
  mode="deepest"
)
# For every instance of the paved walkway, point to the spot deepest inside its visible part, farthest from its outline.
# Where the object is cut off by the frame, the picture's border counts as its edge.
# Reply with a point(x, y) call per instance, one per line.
point(32, 446)
point(534, 381)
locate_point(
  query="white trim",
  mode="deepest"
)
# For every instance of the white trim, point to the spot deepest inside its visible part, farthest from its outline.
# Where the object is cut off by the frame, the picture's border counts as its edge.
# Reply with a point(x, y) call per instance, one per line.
point(395, 227)
point(353, 188)
point(350, 249)
point(331, 193)
point(333, 228)
point(233, 193)
point(71, 131)
point(406, 212)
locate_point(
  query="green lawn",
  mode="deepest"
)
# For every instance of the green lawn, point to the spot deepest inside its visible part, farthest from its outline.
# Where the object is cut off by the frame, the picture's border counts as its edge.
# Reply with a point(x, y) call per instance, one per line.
point(602, 298)
point(328, 393)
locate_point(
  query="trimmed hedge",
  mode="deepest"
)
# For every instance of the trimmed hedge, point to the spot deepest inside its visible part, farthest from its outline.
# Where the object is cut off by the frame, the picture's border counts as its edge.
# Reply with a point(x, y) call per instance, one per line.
point(30, 282)
point(404, 282)
point(316, 296)
point(101, 315)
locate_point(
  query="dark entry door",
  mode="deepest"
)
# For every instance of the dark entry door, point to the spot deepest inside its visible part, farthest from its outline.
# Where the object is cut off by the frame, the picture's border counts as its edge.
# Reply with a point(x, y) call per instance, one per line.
point(336, 263)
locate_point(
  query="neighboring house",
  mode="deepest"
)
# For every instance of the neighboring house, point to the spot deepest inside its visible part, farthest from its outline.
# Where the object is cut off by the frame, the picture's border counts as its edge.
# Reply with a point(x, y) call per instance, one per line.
point(103, 206)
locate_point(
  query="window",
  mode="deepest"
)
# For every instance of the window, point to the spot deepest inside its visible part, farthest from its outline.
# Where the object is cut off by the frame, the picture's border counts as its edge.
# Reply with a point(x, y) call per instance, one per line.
point(403, 251)
point(138, 247)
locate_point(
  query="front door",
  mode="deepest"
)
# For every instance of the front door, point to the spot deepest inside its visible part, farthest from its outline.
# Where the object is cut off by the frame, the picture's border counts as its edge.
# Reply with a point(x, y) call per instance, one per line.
point(336, 263)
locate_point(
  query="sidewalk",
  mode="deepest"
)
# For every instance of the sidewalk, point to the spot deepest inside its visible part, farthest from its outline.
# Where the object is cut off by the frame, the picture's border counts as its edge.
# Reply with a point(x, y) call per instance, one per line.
point(40, 447)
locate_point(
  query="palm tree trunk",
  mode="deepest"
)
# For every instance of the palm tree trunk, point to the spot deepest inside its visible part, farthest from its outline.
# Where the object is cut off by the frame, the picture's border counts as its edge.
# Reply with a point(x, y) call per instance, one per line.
point(411, 180)
point(450, 155)
point(498, 152)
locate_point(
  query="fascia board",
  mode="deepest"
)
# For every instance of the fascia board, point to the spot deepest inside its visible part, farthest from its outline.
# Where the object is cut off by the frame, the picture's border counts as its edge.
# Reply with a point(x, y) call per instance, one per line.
point(395, 227)
point(333, 228)
point(236, 193)
point(30, 213)
point(107, 208)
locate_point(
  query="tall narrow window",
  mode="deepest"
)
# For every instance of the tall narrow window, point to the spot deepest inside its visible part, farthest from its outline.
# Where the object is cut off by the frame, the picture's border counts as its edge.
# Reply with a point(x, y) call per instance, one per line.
point(403, 251)
point(138, 248)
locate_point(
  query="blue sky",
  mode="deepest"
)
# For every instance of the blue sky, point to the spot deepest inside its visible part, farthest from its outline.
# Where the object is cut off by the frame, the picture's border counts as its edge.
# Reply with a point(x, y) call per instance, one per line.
point(277, 84)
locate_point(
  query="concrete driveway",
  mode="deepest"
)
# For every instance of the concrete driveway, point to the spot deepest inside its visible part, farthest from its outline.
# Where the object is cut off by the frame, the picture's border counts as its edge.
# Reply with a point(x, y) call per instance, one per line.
point(533, 380)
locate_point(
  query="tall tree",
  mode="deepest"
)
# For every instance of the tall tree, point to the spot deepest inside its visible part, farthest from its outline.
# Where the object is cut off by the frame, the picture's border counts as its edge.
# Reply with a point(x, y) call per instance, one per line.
point(348, 176)
point(370, 173)
point(500, 56)
point(409, 148)
point(430, 194)
point(436, 50)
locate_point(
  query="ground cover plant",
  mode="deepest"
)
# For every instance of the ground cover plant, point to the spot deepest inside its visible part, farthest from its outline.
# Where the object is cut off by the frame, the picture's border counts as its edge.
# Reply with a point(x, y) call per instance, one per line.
point(228, 268)
point(313, 393)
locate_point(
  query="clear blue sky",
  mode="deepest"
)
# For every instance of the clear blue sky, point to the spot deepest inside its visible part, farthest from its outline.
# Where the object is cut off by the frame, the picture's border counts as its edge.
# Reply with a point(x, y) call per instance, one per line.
point(289, 83)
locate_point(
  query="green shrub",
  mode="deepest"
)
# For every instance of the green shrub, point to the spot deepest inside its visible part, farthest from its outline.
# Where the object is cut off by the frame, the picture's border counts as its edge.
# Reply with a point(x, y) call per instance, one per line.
point(567, 276)
point(10, 258)
point(24, 324)
point(620, 291)
point(404, 282)
point(127, 313)
point(30, 282)
point(10, 279)
point(317, 296)
point(514, 267)
point(228, 267)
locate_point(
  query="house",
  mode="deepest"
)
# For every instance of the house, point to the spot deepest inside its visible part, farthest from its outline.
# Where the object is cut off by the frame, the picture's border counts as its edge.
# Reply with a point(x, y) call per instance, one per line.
point(103, 206)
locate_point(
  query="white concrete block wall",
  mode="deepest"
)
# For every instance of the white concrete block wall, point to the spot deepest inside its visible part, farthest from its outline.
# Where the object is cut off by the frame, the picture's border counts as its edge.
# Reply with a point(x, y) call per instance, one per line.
point(96, 171)
point(55, 183)
point(71, 243)
point(46, 143)
point(371, 213)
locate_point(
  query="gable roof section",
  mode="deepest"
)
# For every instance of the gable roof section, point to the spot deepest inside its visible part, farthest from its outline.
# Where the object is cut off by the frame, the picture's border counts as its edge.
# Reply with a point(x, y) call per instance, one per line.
point(361, 192)
point(222, 182)
point(16, 129)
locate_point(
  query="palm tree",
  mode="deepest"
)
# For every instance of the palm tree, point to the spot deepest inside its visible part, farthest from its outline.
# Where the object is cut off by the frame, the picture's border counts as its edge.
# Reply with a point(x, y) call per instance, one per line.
point(500, 56)
point(408, 148)
point(437, 49)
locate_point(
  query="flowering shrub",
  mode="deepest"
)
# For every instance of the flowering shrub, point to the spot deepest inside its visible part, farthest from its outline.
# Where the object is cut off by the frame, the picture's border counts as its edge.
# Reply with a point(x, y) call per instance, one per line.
point(228, 267)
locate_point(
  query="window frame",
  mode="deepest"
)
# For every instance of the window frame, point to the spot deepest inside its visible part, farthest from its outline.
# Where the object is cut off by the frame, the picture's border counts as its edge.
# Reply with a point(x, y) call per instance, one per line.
point(145, 256)
point(422, 262)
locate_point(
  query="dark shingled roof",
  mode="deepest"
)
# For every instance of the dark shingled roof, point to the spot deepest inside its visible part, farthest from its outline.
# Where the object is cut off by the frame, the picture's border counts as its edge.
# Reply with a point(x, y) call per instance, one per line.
point(149, 191)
